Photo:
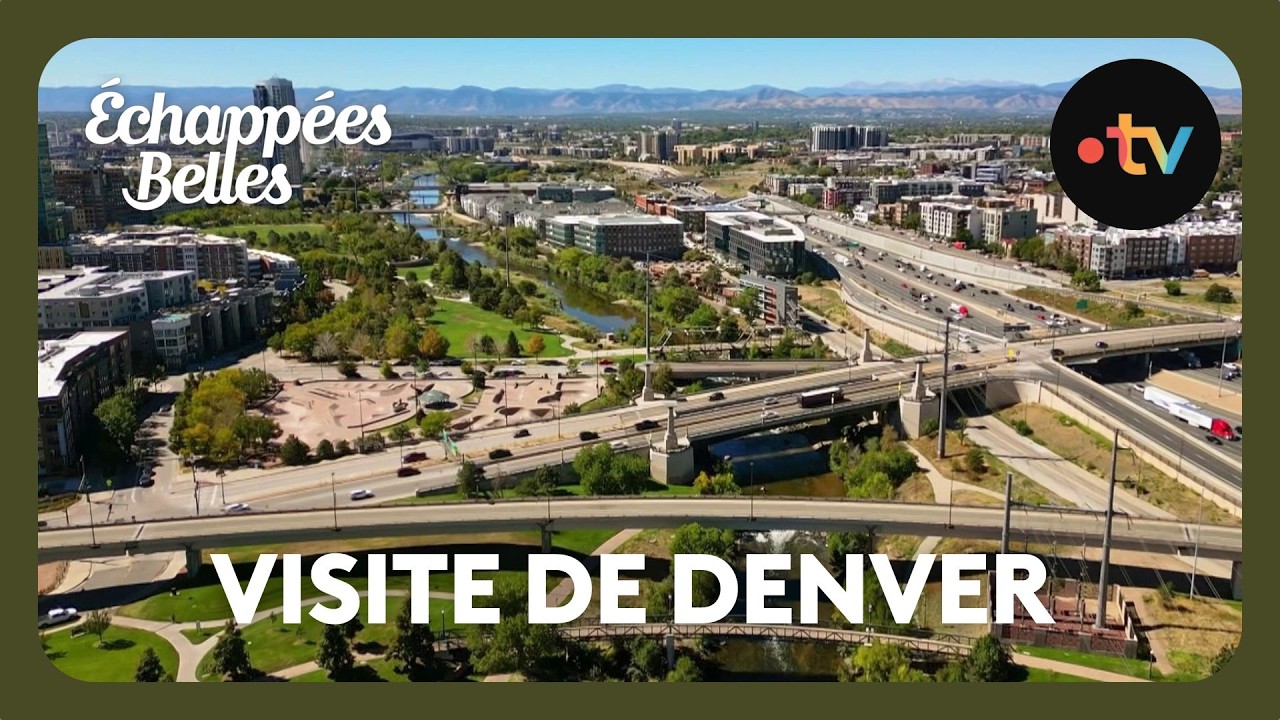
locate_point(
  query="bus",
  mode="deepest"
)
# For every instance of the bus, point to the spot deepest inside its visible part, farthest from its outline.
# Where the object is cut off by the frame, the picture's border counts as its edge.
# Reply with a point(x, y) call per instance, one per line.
point(825, 396)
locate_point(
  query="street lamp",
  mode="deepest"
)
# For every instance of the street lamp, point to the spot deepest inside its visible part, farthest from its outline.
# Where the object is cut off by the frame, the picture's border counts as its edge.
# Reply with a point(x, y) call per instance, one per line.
point(93, 534)
point(360, 407)
point(333, 488)
point(222, 485)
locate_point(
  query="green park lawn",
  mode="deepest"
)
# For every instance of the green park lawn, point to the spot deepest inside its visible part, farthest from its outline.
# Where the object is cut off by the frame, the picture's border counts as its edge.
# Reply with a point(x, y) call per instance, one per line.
point(382, 668)
point(274, 646)
point(262, 230)
point(1038, 675)
point(1106, 663)
point(459, 322)
point(81, 657)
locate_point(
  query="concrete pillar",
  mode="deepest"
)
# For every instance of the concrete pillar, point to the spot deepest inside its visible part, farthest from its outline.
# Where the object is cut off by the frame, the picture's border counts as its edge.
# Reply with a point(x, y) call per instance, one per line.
point(546, 539)
point(670, 442)
point(647, 394)
point(671, 653)
point(1237, 580)
point(865, 355)
point(193, 561)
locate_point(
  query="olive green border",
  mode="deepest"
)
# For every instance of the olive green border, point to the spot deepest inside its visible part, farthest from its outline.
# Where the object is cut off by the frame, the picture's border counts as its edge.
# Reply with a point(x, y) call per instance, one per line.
point(33, 32)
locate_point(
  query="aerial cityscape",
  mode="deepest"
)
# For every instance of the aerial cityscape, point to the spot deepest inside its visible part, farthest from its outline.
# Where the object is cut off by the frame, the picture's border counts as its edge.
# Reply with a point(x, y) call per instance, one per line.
point(587, 308)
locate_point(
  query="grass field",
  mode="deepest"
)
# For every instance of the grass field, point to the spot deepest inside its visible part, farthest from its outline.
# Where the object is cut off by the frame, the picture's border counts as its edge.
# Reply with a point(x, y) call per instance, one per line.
point(274, 646)
point(262, 230)
point(1025, 490)
point(81, 657)
point(1110, 314)
point(1038, 675)
point(1194, 631)
point(382, 671)
point(459, 322)
point(1107, 663)
point(1192, 294)
point(734, 181)
point(1091, 451)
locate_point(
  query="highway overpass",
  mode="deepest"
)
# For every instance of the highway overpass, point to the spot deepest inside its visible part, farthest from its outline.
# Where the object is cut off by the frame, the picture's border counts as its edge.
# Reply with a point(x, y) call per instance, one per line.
point(752, 368)
point(1066, 528)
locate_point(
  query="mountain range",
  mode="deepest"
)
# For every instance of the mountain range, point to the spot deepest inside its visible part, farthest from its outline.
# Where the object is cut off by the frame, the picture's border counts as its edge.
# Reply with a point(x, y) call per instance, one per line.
point(864, 99)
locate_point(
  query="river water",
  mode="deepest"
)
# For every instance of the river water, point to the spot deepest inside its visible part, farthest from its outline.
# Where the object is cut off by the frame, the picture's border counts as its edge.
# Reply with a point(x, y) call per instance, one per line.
point(577, 302)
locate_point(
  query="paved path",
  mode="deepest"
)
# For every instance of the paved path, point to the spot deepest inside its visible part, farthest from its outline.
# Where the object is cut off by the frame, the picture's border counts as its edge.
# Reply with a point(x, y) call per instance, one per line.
point(561, 592)
point(1063, 668)
point(1158, 647)
point(941, 494)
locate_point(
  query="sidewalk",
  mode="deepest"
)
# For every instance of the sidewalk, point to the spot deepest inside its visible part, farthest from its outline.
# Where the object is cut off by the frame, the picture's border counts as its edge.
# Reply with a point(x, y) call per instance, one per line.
point(1063, 668)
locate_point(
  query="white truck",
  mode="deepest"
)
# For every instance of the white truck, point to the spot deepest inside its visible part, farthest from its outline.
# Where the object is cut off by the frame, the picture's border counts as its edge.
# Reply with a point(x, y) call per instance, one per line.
point(842, 259)
point(1164, 400)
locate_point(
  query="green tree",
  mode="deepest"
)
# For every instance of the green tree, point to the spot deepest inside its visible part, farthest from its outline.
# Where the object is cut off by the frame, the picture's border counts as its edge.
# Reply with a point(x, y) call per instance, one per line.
point(334, 654)
point(841, 544)
point(663, 380)
point(118, 416)
point(694, 539)
point(881, 662)
point(413, 647)
point(399, 433)
point(1221, 294)
point(514, 645)
point(293, 451)
point(543, 482)
point(647, 661)
point(1086, 280)
point(602, 472)
point(149, 668)
point(988, 661)
point(352, 628)
point(717, 484)
point(686, 670)
point(513, 344)
point(434, 423)
point(536, 345)
point(488, 346)
point(325, 451)
point(230, 656)
point(747, 302)
point(1173, 288)
point(975, 461)
point(97, 623)
point(471, 479)
point(1223, 657)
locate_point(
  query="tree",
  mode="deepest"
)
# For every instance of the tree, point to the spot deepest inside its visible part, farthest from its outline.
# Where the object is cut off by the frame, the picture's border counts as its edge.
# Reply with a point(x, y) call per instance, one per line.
point(686, 670)
point(747, 302)
point(718, 484)
point(881, 662)
point(536, 345)
point(386, 370)
point(352, 628)
point(118, 416)
point(488, 346)
point(1173, 288)
point(470, 479)
point(97, 623)
point(1216, 293)
point(149, 667)
point(663, 380)
point(988, 661)
point(840, 544)
point(334, 654)
point(399, 433)
point(515, 645)
point(413, 648)
point(1086, 280)
point(975, 461)
point(434, 423)
point(327, 347)
point(544, 482)
point(432, 345)
point(325, 451)
point(694, 539)
point(647, 661)
point(604, 473)
point(343, 448)
point(230, 657)
point(293, 451)
point(513, 344)
point(1223, 657)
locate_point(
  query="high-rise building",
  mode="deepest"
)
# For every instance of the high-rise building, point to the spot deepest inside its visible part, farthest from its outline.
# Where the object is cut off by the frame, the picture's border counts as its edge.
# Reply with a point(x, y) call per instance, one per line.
point(278, 93)
point(49, 230)
point(826, 138)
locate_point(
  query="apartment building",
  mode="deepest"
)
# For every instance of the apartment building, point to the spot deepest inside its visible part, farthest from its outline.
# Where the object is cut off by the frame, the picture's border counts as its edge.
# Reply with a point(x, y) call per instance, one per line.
point(827, 138)
point(95, 300)
point(999, 223)
point(1215, 246)
point(153, 248)
point(1055, 209)
point(762, 244)
point(73, 375)
point(779, 301)
point(946, 219)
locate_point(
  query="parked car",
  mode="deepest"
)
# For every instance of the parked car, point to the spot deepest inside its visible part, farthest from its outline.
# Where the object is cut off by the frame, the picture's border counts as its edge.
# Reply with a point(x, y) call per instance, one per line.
point(57, 616)
point(717, 395)
point(361, 494)
point(236, 508)
point(587, 435)
point(958, 367)
point(606, 361)
point(647, 425)
point(416, 456)
point(498, 453)
point(407, 470)
point(517, 362)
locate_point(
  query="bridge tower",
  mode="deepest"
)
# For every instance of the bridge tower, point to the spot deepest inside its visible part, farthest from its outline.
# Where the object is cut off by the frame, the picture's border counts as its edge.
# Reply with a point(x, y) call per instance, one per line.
point(646, 395)
point(865, 355)
point(671, 459)
point(918, 405)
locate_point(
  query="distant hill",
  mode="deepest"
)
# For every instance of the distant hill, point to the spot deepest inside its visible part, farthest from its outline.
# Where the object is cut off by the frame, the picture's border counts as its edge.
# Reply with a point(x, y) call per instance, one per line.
point(895, 99)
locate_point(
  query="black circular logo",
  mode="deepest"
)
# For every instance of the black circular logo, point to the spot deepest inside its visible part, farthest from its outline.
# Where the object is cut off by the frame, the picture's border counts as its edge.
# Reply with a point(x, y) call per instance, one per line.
point(1135, 144)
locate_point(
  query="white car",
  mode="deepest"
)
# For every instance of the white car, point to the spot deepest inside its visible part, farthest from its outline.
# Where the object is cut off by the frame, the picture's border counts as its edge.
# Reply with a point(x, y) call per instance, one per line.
point(63, 613)
point(517, 363)
point(236, 508)
point(768, 415)
point(618, 445)
point(361, 494)
point(771, 401)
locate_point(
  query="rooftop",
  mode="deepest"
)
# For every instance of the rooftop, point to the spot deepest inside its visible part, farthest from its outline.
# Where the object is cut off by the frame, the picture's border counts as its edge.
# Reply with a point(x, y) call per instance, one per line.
point(760, 226)
point(53, 357)
point(156, 235)
point(104, 284)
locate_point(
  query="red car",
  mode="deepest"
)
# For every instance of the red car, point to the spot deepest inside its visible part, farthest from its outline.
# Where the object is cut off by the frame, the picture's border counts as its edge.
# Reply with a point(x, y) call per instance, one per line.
point(606, 361)
point(904, 284)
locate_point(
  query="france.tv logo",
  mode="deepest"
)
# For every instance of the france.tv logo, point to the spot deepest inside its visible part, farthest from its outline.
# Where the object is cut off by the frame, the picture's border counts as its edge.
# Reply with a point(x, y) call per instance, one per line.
point(1124, 133)
point(1135, 144)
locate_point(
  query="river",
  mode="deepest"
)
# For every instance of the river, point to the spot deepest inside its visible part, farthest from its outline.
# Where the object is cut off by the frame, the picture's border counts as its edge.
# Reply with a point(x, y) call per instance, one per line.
point(576, 301)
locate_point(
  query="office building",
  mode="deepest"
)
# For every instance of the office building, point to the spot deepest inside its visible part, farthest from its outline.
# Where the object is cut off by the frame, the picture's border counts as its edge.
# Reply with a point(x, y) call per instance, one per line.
point(760, 243)
point(73, 375)
point(278, 93)
point(619, 235)
point(829, 138)
point(779, 301)
point(49, 229)
point(657, 145)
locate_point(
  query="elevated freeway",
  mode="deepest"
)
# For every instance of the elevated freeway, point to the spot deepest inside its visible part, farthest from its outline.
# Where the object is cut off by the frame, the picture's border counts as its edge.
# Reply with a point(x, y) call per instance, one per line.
point(1029, 524)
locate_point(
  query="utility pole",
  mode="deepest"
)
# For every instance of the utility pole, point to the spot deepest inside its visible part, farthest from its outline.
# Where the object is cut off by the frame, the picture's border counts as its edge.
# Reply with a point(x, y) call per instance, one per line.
point(1195, 557)
point(1222, 362)
point(942, 395)
point(646, 307)
point(1100, 621)
point(333, 488)
point(1008, 507)
point(93, 533)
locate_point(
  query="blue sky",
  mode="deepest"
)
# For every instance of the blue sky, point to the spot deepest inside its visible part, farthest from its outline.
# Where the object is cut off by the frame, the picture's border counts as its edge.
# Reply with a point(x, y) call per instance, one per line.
point(381, 63)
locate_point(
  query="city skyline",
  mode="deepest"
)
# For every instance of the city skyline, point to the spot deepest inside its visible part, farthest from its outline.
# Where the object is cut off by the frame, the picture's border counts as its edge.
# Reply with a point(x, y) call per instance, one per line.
point(918, 63)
